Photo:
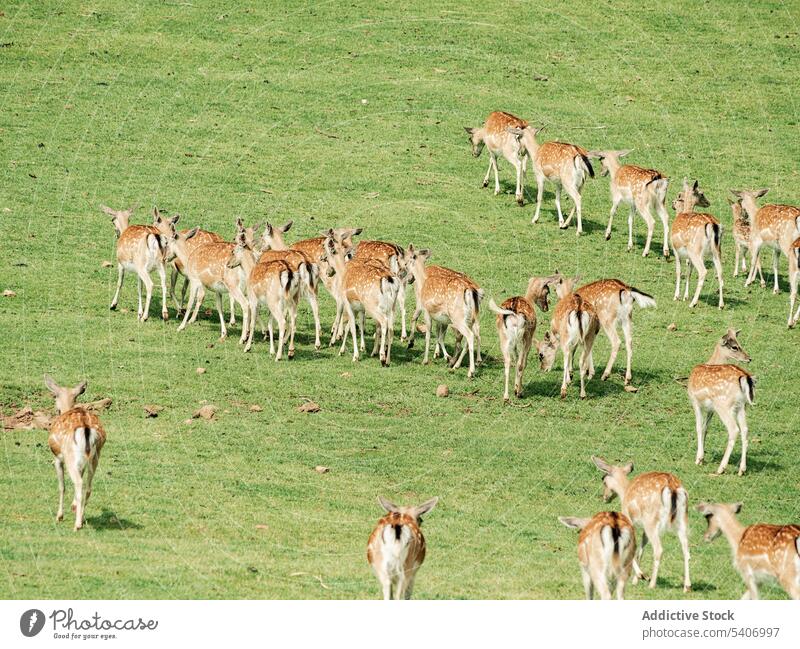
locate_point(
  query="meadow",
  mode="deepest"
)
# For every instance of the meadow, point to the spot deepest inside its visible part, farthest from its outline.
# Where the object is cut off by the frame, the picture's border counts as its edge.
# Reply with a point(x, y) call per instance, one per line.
point(352, 114)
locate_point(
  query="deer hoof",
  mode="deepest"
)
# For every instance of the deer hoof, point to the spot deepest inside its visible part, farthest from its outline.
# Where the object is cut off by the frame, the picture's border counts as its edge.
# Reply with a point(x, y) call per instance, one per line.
point(60, 517)
point(608, 236)
point(485, 184)
point(520, 202)
point(165, 315)
point(687, 588)
point(113, 307)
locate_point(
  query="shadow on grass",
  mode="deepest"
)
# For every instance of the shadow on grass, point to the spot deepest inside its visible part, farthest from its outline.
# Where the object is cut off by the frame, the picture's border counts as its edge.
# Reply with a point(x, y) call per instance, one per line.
point(109, 521)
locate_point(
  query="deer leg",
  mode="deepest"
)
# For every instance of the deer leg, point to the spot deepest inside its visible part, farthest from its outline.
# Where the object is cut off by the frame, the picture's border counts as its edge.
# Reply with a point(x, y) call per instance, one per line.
point(139, 294)
point(741, 420)
point(631, 214)
point(755, 249)
point(162, 276)
point(351, 316)
point(401, 309)
point(651, 224)
point(232, 303)
point(662, 214)
point(361, 325)
point(148, 287)
point(496, 175)
point(561, 222)
point(200, 294)
point(223, 332)
point(621, 580)
point(683, 537)
point(762, 281)
point(292, 328)
point(518, 192)
point(427, 321)
point(718, 268)
point(77, 505)
point(539, 193)
point(614, 205)
point(522, 362)
point(469, 337)
point(476, 329)
point(658, 550)
point(488, 172)
point(575, 194)
point(702, 271)
point(600, 581)
point(701, 420)
point(737, 251)
point(173, 281)
point(120, 277)
point(776, 255)
point(677, 277)
point(59, 464)
point(188, 312)
point(637, 570)
point(506, 368)
point(729, 420)
point(271, 338)
point(752, 585)
point(253, 305)
point(613, 337)
point(280, 318)
point(587, 583)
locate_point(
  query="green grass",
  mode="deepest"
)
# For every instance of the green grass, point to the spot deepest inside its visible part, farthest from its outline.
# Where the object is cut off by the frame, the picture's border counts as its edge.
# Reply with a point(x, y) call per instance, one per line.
point(257, 112)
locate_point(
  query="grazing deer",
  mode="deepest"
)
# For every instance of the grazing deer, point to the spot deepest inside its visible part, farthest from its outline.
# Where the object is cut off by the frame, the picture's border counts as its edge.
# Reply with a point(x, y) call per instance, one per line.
point(794, 279)
point(446, 297)
point(574, 323)
point(206, 267)
point(396, 547)
point(695, 236)
point(606, 549)
point(140, 249)
point(516, 325)
point(272, 248)
point(655, 501)
point(774, 226)
point(273, 283)
point(494, 134)
point(362, 288)
point(613, 302)
point(741, 239)
point(645, 190)
point(76, 439)
point(759, 551)
point(565, 165)
point(717, 386)
point(396, 259)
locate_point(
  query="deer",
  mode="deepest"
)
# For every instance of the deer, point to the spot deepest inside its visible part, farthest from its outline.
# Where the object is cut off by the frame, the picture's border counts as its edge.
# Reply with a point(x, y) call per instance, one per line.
point(760, 551)
point(273, 283)
point(446, 297)
point(565, 165)
point(655, 501)
point(721, 387)
point(140, 249)
point(395, 258)
point(516, 326)
point(495, 136)
point(613, 302)
point(396, 547)
point(741, 239)
point(574, 323)
point(362, 288)
point(606, 550)
point(76, 439)
point(273, 247)
point(644, 190)
point(206, 268)
point(774, 226)
point(794, 279)
point(695, 236)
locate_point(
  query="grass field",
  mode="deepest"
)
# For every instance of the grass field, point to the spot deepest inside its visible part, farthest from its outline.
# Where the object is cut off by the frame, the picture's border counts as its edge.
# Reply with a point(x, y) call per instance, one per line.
point(351, 114)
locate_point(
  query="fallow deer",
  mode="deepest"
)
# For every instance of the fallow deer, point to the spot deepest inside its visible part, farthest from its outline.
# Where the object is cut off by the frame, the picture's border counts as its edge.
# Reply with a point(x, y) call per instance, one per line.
point(645, 190)
point(273, 283)
point(741, 239)
point(362, 288)
point(655, 501)
point(574, 323)
point(759, 551)
point(516, 325)
point(495, 136)
point(140, 249)
point(396, 259)
point(206, 267)
point(76, 439)
point(446, 297)
point(396, 548)
point(718, 386)
point(774, 226)
point(613, 302)
point(694, 237)
point(606, 550)
point(565, 165)
point(273, 247)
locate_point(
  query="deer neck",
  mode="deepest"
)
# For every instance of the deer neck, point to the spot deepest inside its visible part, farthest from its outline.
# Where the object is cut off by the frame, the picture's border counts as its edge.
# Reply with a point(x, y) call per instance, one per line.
point(732, 529)
point(248, 261)
point(749, 208)
point(420, 274)
point(613, 164)
point(718, 357)
point(530, 143)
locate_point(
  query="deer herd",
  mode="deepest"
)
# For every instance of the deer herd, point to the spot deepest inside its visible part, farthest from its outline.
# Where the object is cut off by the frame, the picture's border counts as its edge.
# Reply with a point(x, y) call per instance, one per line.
point(259, 269)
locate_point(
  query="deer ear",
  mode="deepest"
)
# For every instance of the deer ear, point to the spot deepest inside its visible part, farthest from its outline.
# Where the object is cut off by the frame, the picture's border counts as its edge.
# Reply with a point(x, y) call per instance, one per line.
point(156, 215)
point(601, 464)
point(737, 507)
point(515, 131)
point(425, 507)
point(469, 130)
point(268, 229)
point(191, 233)
point(424, 252)
point(736, 193)
point(51, 384)
point(696, 185)
point(79, 389)
point(573, 523)
point(108, 211)
point(628, 467)
point(760, 192)
point(704, 509)
point(175, 219)
point(624, 152)
point(388, 505)
point(286, 227)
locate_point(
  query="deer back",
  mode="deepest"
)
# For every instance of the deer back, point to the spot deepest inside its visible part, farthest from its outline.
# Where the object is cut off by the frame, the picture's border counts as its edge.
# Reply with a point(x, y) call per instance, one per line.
point(777, 223)
point(62, 430)
point(644, 498)
point(607, 534)
point(771, 549)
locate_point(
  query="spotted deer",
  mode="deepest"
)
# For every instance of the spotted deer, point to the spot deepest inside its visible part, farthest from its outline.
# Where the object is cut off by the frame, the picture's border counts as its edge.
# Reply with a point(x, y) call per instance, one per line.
point(613, 302)
point(606, 549)
point(206, 267)
point(565, 165)
point(140, 249)
point(760, 551)
point(495, 136)
point(272, 247)
point(655, 501)
point(773, 226)
point(396, 259)
point(272, 283)
point(644, 190)
point(361, 288)
point(741, 239)
point(574, 323)
point(396, 548)
point(516, 325)
point(794, 279)
point(694, 237)
point(76, 439)
point(721, 387)
point(446, 297)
